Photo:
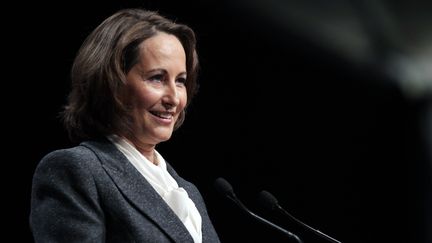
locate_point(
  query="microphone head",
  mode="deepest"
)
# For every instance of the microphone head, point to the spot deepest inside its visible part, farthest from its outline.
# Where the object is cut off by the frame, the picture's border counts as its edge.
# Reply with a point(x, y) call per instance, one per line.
point(268, 200)
point(223, 187)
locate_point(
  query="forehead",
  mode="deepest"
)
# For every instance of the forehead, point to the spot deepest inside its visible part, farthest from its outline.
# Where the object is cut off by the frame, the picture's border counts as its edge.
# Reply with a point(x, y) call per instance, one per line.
point(162, 45)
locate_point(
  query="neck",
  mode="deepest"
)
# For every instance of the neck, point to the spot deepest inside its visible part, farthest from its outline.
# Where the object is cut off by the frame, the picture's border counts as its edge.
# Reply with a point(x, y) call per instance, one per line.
point(147, 150)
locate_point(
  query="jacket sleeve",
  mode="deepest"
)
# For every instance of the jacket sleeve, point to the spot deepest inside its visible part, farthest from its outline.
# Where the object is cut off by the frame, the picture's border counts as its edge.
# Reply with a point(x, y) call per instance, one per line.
point(64, 200)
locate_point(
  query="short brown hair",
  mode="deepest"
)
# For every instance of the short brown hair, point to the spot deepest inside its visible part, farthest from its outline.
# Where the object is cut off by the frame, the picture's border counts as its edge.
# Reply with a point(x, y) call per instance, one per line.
point(95, 106)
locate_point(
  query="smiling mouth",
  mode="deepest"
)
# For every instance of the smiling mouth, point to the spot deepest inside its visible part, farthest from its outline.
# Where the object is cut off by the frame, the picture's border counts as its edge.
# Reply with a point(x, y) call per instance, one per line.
point(163, 115)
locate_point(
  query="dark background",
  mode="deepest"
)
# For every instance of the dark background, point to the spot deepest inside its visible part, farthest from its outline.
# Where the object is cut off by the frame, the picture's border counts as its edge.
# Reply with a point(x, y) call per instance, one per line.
point(304, 99)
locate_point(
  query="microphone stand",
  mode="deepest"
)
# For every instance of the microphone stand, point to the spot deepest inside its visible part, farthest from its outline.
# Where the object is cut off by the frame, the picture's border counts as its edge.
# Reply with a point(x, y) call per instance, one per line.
point(225, 189)
point(263, 220)
point(271, 202)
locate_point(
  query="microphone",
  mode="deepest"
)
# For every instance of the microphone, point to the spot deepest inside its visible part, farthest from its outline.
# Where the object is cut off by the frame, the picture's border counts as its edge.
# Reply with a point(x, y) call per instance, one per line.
point(270, 202)
point(225, 189)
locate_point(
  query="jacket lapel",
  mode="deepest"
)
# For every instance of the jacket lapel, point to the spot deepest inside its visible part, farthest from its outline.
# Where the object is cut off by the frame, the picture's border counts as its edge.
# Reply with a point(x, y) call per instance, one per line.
point(138, 190)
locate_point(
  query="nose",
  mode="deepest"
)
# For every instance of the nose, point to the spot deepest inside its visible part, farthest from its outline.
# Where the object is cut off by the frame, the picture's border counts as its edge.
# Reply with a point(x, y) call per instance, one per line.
point(171, 95)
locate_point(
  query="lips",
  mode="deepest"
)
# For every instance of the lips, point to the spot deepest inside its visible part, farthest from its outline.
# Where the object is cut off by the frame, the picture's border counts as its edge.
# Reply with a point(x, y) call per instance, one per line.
point(162, 114)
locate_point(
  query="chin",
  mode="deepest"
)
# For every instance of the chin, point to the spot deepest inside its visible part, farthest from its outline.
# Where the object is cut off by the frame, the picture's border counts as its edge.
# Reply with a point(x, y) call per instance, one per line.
point(164, 136)
point(163, 139)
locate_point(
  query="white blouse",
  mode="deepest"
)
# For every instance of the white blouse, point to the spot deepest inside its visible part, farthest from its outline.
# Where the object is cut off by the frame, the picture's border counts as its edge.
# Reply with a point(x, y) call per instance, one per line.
point(157, 175)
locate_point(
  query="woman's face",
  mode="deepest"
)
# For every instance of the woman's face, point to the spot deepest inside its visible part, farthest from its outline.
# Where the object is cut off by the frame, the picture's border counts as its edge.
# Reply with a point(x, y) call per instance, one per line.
point(156, 88)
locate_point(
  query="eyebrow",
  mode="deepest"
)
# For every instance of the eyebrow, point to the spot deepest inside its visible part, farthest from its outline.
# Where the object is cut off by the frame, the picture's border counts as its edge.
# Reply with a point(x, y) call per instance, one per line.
point(162, 71)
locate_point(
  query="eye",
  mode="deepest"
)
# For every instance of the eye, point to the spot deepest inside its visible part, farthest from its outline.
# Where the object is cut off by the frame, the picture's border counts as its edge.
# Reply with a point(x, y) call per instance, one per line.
point(181, 80)
point(156, 78)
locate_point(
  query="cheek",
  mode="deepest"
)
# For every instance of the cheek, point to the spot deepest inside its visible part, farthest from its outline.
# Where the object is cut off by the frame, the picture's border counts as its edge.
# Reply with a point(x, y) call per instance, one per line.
point(183, 98)
point(144, 99)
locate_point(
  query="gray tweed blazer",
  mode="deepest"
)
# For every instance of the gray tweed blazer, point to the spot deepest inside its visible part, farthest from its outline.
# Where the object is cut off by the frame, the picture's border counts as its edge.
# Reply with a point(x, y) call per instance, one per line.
point(92, 193)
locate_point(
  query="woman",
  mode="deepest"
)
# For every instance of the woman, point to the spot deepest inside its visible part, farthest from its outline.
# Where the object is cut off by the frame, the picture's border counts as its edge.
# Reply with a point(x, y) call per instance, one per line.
point(132, 79)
